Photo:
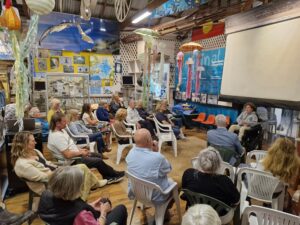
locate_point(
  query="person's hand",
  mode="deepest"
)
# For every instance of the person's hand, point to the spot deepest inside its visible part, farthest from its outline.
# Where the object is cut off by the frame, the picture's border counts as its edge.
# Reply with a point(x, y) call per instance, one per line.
point(138, 126)
point(155, 146)
point(104, 207)
point(84, 152)
point(96, 204)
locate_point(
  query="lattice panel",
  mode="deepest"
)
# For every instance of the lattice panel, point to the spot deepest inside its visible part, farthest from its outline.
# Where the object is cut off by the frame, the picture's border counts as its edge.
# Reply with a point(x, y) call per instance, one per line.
point(128, 53)
point(213, 42)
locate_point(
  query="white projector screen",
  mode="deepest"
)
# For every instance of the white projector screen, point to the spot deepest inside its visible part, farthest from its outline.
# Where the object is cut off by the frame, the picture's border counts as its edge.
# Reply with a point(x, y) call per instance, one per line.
point(264, 63)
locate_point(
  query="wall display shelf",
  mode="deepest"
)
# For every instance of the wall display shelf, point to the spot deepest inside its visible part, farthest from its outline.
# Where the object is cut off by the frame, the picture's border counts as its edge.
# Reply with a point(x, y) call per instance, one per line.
point(71, 89)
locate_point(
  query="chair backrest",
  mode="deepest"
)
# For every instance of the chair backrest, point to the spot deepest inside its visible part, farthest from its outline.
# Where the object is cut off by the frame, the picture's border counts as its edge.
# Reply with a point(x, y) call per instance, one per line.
point(258, 154)
point(197, 198)
point(159, 126)
point(261, 185)
point(95, 115)
point(201, 116)
point(114, 130)
point(142, 189)
point(225, 168)
point(228, 155)
point(211, 119)
point(267, 216)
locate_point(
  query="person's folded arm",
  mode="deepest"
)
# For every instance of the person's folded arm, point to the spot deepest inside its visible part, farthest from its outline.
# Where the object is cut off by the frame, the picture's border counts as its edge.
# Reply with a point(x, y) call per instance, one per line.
point(68, 153)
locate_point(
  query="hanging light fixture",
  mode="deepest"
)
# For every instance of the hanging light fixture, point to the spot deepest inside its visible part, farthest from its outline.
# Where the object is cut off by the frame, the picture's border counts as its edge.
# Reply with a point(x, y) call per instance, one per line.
point(146, 32)
point(190, 46)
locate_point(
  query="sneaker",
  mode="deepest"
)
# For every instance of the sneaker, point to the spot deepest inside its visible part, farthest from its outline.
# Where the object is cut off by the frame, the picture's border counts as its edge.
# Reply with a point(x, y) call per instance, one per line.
point(115, 179)
point(120, 173)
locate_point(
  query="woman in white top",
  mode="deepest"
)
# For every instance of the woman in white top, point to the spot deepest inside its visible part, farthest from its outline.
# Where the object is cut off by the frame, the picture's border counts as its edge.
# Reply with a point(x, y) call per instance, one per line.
point(89, 120)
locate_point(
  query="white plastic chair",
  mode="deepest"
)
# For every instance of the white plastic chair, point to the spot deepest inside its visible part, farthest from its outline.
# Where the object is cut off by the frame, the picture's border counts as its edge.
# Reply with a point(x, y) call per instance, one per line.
point(143, 189)
point(121, 147)
point(165, 134)
point(75, 137)
point(257, 215)
point(258, 154)
point(224, 169)
point(130, 126)
point(261, 186)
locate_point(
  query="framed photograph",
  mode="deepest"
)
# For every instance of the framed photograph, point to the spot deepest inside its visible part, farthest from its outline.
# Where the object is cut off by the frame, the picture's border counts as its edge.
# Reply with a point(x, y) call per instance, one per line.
point(54, 63)
point(68, 69)
point(42, 64)
point(55, 53)
point(212, 99)
point(65, 60)
point(203, 97)
point(118, 67)
point(79, 60)
point(83, 69)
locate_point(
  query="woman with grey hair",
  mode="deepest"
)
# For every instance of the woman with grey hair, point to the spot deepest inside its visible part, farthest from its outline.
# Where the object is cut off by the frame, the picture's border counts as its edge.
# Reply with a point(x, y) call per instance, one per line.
point(62, 205)
point(201, 214)
point(205, 179)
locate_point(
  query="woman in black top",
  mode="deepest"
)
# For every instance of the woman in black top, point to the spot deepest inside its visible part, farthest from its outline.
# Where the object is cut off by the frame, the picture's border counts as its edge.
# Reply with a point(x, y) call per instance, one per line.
point(205, 180)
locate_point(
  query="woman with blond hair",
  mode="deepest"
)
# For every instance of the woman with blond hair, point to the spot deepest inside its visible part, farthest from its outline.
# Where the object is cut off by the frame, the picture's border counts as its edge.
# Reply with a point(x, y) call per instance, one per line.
point(120, 126)
point(54, 108)
point(115, 104)
point(282, 161)
point(30, 164)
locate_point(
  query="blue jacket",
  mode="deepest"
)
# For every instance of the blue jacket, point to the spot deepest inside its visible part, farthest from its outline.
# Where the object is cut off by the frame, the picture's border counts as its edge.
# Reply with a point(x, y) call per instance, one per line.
point(102, 114)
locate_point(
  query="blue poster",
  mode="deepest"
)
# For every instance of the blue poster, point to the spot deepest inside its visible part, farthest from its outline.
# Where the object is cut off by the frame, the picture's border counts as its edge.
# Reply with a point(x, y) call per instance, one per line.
point(212, 62)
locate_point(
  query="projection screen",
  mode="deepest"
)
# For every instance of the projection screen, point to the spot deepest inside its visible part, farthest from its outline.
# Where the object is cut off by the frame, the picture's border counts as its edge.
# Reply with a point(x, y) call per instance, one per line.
point(264, 63)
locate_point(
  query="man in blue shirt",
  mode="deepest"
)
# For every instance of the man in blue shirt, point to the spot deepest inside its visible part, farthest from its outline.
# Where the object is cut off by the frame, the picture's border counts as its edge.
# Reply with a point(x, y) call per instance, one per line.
point(146, 163)
point(223, 138)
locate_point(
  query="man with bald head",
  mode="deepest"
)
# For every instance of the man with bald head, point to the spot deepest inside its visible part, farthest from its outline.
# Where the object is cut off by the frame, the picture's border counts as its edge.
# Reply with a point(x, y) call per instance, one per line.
point(145, 162)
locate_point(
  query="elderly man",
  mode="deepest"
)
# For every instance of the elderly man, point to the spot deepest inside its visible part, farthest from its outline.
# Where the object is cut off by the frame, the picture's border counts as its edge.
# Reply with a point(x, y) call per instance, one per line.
point(134, 117)
point(62, 146)
point(223, 138)
point(145, 162)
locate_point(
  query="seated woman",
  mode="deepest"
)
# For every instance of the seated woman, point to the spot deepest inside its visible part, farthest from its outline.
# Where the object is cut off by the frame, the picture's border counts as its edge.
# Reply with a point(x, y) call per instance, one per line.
point(34, 112)
point(61, 204)
point(283, 161)
point(89, 120)
point(77, 127)
point(54, 108)
point(205, 180)
point(31, 165)
point(142, 112)
point(245, 120)
point(115, 104)
point(201, 214)
point(163, 118)
point(120, 126)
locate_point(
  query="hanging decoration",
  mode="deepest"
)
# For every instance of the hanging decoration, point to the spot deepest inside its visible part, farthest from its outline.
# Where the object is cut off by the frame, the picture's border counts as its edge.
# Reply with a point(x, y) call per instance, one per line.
point(161, 47)
point(180, 56)
point(190, 46)
point(21, 52)
point(122, 8)
point(197, 70)
point(41, 7)
point(86, 8)
point(189, 62)
point(11, 16)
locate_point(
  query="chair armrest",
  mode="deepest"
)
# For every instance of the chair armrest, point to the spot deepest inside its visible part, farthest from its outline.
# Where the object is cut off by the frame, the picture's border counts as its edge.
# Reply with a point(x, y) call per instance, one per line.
point(170, 188)
point(124, 136)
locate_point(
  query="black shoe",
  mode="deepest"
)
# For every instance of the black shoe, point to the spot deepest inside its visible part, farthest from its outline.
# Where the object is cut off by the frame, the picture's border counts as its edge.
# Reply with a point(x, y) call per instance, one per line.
point(115, 179)
point(120, 173)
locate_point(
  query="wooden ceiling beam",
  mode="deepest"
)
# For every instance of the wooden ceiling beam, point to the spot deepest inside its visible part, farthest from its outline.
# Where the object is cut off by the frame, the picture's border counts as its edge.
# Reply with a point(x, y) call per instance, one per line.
point(150, 7)
point(103, 7)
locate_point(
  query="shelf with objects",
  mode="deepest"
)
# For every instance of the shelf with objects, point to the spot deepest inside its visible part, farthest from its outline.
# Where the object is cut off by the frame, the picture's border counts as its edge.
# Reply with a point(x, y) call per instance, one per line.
point(71, 89)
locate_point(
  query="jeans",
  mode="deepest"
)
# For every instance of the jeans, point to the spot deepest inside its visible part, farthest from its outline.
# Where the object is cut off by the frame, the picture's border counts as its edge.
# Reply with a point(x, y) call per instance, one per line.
point(147, 125)
point(117, 215)
point(176, 131)
point(106, 171)
point(97, 137)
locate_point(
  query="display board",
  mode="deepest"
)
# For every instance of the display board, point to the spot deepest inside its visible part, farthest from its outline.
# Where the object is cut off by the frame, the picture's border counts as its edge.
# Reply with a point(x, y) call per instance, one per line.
point(263, 63)
point(101, 74)
point(212, 61)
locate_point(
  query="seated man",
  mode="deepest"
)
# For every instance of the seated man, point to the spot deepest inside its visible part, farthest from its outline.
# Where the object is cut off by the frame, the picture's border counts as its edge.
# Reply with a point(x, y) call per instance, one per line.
point(133, 117)
point(245, 120)
point(223, 138)
point(145, 162)
point(62, 146)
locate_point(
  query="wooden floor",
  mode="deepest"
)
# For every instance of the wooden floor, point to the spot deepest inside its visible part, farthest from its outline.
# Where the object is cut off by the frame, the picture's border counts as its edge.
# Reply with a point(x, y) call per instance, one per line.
point(187, 149)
